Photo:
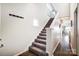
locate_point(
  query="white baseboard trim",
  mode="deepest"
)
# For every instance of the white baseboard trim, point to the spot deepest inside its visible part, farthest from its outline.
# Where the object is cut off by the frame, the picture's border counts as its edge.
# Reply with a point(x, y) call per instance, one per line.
point(55, 47)
point(73, 50)
point(20, 52)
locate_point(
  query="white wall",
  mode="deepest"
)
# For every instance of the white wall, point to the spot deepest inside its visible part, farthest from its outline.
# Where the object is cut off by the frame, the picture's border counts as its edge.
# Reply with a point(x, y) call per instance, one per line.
point(18, 34)
point(53, 39)
point(52, 36)
point(62, 9)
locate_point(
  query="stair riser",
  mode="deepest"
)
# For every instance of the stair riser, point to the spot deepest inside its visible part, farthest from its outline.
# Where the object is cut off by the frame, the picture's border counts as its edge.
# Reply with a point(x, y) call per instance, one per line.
point(38, 46)
point(43, 31)
point(42, 34)
point(41, 38)
point(40, 41)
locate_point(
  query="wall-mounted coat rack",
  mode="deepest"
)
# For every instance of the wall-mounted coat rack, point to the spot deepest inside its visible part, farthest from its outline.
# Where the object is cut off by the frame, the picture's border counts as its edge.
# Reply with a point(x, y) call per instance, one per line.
point(16, 16)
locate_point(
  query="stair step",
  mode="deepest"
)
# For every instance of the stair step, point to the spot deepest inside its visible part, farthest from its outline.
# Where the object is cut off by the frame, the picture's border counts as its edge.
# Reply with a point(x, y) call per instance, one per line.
point(42, 34)
point(42, 37)
point(37, 51)
point(43, 31)
point(40, 41)
point(39, 45)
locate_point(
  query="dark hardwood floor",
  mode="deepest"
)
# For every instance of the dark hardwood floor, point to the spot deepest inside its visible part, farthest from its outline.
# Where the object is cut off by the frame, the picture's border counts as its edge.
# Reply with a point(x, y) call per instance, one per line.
point(27, 53)
point(61, 52)
point(58, 52)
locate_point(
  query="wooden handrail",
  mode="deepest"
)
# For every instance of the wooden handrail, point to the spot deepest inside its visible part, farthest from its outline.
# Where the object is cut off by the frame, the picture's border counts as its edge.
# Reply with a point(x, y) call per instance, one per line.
point(64, 17)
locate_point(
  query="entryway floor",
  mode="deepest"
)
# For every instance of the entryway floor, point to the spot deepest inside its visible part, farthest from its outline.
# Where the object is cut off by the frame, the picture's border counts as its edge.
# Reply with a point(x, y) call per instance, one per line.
point(61, 52)
point(27, 53)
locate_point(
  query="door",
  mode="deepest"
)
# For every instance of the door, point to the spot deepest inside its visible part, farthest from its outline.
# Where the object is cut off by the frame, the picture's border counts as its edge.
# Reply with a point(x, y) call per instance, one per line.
point(75, 28)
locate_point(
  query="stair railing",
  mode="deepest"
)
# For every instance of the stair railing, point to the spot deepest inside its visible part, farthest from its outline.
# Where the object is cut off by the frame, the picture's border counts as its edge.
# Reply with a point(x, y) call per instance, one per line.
point(54, 35)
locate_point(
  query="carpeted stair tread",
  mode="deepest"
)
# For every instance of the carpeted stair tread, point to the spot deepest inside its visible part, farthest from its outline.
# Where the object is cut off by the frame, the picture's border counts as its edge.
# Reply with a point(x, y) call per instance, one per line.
point(40, 46)
point(42, 34)
point(41, 37)
point(43, 31)
point(37, 51)
point(40, 41)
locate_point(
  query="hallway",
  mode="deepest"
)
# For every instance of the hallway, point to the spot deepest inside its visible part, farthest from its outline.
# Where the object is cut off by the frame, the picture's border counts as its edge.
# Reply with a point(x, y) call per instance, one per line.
point(61, 52)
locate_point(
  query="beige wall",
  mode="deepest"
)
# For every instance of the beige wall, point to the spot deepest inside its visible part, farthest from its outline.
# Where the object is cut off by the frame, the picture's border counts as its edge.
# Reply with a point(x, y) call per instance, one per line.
point(78, 32)
point(0, 20)
point(73, 41)
point(18, 34)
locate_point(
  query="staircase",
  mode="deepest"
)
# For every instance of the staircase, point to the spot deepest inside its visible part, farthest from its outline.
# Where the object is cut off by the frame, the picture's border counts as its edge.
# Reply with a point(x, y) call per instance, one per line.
point(38, 47)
